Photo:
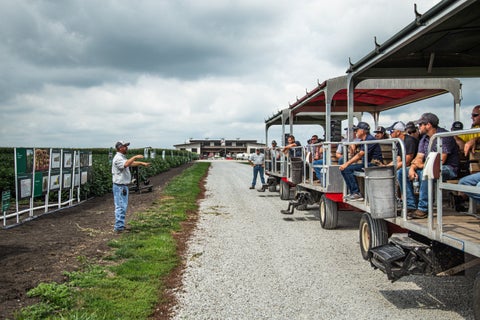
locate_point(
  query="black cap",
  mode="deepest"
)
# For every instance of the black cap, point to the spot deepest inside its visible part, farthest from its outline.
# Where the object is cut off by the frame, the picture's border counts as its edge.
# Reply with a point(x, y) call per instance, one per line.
point(410, 126)
point(457, 125)
point(362, 125)
point(380, 129)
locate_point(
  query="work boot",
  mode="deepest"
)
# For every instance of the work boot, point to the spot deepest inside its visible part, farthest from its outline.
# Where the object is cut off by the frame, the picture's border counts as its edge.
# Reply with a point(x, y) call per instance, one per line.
point(418, 214)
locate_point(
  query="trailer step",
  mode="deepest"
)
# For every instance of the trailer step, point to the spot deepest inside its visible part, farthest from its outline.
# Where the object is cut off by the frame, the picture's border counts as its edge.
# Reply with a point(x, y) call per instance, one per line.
point(387, 253)
point(404, 241)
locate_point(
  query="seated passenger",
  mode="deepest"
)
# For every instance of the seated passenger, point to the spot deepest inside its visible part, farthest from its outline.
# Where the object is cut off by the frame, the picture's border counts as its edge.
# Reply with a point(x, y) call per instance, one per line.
point(290, 149)
point(348, 168)
point(274, 154)
point(380, 133)
point(317, 157)
point(472, 180)
point(397, 130)
point(466, 142)
point(456, 125)
point(339, 151)
point(428, 126)
point(352, 149)
point(412, 130)
point(312, 145)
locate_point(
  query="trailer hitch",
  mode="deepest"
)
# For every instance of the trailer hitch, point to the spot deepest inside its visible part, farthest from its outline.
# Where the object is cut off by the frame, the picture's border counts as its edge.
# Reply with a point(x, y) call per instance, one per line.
point(302, 199)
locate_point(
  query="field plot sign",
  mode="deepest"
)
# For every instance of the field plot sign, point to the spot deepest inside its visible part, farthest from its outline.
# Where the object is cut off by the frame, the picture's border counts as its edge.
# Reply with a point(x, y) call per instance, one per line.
point(44, 171)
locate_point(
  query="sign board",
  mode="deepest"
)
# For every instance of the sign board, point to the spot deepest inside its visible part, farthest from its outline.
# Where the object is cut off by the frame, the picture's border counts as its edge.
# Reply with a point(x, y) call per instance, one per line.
point(5, 200)
point(24, 160)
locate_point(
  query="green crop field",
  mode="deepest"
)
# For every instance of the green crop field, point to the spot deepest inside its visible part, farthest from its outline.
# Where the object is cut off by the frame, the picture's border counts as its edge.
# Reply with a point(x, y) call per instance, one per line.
point(101, 179)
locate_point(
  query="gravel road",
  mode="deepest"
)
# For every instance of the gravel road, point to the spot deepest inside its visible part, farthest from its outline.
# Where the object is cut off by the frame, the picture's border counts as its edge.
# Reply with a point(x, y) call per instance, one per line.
point(248, 261)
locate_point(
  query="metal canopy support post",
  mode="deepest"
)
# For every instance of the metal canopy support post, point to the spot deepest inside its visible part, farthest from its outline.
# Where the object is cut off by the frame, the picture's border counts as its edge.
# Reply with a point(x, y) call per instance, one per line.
point(350, 91)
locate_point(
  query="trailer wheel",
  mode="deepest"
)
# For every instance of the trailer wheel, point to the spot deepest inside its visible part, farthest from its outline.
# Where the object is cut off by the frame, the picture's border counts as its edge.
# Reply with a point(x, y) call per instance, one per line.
point(476, 296)
point(284, 190)
point(328, 213)
point(373, 233)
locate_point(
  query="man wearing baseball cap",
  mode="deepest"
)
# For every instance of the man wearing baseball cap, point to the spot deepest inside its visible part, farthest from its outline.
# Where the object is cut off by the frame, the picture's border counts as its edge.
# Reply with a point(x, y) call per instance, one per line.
point(412, 130)
point(467, 141)
point(374, 152)
point(380, 133)
point(121, 178)
point(410, 144)
point(428, 126)
point(274, 154)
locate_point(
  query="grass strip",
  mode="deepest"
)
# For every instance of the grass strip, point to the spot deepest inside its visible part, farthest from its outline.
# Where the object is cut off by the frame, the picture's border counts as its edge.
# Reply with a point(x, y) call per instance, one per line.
point(130, 286)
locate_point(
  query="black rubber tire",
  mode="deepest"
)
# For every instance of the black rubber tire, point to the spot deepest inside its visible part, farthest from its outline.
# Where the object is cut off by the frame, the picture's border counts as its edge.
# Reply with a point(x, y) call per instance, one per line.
point(328, 213)
point(476, 297)
point(372, 233)
point(284, 190)
point(272, 187)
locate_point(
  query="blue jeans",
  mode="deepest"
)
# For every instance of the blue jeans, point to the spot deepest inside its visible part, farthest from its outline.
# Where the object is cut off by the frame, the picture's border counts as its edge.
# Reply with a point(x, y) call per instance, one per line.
point(256, 170)
point(350, 180)
point(447, 173)
point(471, 180)
point(318, 170)
point(120, 199)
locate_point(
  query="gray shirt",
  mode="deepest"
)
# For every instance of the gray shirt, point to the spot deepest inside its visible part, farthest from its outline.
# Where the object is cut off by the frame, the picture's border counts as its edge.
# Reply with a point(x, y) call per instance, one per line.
point(257, 158)
point(120, 174)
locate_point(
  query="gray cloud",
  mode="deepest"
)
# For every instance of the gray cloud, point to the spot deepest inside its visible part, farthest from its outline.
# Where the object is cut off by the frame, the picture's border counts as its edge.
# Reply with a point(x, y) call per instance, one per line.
point(84, 73)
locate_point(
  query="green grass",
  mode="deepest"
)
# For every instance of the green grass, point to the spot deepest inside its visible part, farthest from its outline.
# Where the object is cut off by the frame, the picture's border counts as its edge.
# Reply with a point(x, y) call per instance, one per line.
point(131, 286)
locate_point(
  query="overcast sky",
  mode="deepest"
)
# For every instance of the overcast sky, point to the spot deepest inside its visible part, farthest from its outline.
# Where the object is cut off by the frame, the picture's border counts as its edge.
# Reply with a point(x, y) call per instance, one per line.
point(86, 73)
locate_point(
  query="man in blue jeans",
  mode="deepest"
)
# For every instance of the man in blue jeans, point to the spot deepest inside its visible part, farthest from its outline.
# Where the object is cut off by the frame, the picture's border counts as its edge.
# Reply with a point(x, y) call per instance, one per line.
point(472, 180)
point(428, 126)
point(121, 178)
point(257, 161)
point(374, 152)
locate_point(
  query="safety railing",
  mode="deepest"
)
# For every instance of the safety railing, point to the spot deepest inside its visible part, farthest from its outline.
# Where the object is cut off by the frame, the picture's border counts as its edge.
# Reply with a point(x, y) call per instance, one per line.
point(435, 190)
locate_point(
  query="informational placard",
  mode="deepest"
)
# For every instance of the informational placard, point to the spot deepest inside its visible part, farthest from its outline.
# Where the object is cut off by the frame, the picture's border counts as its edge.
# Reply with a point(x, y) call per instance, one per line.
point(84, 159)
point(24, 185)
point(55, 181)
point(42, 159)
point(5, 200)
point(84, 176)
point(67, 159)
point(38, 184)
point(24, 158)
point(56, 159)
point(67, 179)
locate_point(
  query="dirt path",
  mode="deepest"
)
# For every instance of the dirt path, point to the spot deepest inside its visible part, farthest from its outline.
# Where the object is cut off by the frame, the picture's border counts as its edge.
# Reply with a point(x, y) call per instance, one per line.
point(41, 249)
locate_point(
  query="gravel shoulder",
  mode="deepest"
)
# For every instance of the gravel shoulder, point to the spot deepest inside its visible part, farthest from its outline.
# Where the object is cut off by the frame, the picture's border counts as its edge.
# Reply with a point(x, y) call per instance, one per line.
point(245, 260)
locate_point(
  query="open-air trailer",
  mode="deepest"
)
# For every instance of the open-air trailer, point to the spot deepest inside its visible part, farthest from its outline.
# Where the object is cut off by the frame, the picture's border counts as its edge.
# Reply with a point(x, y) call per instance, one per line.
point(444, 42)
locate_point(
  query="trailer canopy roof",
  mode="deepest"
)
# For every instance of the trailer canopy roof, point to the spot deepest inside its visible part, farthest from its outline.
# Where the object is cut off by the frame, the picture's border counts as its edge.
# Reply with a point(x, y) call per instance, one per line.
point(443, 42)
point(373, 95)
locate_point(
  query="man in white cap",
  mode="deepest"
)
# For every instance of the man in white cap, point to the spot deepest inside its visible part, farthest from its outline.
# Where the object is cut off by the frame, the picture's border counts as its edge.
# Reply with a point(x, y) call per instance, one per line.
point(121, 178)
point(397, 130)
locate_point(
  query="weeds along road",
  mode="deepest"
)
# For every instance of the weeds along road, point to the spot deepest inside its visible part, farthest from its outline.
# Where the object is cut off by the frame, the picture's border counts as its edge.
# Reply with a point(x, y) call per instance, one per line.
point(248, 261)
